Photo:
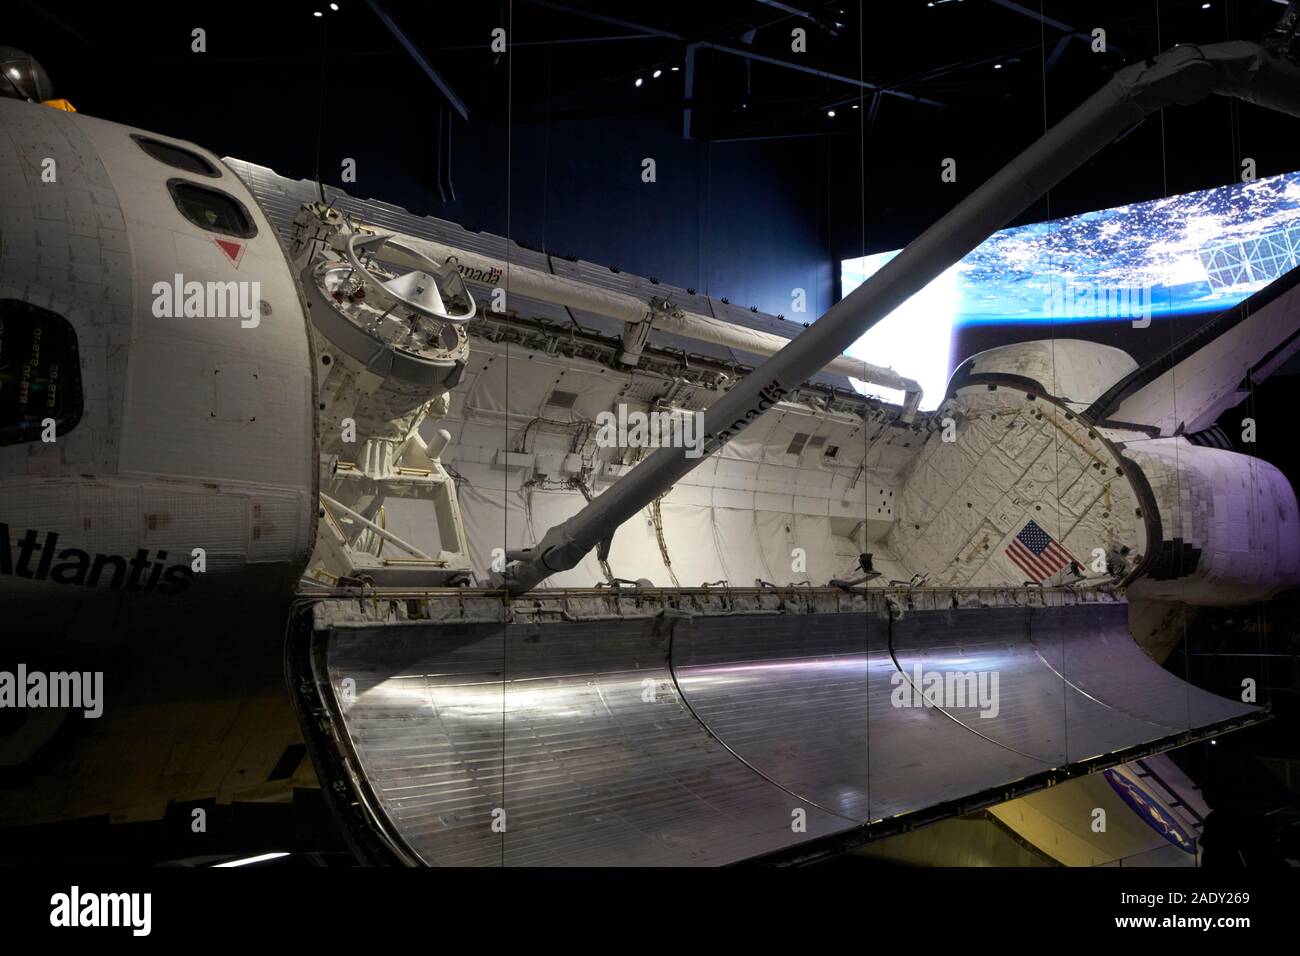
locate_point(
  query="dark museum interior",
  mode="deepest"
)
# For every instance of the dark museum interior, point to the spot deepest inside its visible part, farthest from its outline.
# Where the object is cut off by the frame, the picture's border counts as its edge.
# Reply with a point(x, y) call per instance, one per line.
point(774, 167)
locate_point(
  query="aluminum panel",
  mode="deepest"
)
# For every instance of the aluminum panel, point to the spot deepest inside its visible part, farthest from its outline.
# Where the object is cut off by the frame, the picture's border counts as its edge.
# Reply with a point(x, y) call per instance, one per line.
point(680, 740)
point(588, 748)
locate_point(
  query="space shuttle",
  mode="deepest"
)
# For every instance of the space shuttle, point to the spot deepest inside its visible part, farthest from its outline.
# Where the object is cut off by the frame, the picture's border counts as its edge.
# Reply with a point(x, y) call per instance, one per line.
point(316, 485)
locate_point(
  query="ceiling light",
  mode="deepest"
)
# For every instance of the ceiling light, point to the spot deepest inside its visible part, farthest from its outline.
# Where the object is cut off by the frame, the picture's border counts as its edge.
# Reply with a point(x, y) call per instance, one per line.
point(997, 66)
point(639, 81)
point(334, 7)
point(830, 113)
point(676, 68)
point(317, 13)
point(855, 105)
point(658, 73)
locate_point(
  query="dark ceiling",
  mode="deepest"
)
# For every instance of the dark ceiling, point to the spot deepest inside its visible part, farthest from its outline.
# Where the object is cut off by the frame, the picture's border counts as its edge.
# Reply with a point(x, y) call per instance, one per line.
point(909, 82)
point(922, 60)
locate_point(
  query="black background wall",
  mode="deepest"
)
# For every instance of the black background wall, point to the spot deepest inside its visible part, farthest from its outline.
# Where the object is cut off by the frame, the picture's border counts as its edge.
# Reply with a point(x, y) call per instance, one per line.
point(759, 188)
point(767, 194)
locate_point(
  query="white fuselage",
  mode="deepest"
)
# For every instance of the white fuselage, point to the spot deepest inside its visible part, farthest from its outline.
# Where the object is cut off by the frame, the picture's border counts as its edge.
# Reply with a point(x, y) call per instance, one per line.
point(190, 471)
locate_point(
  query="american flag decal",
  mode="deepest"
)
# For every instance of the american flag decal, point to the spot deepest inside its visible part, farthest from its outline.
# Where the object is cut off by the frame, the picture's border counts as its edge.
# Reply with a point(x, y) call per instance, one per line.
point(1035, 553)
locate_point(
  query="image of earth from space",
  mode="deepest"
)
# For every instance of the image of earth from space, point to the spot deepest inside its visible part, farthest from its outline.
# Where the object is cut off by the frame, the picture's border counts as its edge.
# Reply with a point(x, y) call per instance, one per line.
point(1199, 252)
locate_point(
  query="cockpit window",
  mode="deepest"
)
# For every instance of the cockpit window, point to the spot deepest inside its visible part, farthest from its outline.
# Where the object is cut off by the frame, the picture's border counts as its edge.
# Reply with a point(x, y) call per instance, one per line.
point(40, 374)
point(177, 156)
point(211, 209)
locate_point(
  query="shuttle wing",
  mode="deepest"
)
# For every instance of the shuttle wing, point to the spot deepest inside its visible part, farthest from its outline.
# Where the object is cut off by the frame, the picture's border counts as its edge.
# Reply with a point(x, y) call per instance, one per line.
point(1186, 388)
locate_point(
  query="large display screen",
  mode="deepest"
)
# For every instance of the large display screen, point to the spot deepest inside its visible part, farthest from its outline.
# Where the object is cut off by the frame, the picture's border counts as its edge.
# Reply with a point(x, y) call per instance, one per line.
point(1133, 276)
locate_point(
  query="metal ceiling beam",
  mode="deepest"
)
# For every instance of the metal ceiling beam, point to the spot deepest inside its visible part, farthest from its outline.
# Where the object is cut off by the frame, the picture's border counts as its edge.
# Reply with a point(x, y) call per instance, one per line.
point(873, 112)
point(786, 8)
point(560, 41)
point(950, 68)
point(1055, 55)
point(692, 47)
point(815, 71)
point(922, 78)
point(456, 102)
point(1065, 28)
point(602, 18)
point(861, 83)
point(826, 23)
point(1035, 15)
point(688, 91)
point(797, 67)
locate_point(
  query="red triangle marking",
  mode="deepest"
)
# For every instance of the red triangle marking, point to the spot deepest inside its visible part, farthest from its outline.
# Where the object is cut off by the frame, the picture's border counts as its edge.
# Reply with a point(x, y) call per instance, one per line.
point(233, 250)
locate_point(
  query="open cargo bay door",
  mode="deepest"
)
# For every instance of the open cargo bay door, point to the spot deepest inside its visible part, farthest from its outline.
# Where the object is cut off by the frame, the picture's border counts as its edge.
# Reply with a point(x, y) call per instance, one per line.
point(710, 727)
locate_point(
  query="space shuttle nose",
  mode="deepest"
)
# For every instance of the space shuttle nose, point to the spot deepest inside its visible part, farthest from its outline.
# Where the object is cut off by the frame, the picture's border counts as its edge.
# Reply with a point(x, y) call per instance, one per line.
point(156, 391)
